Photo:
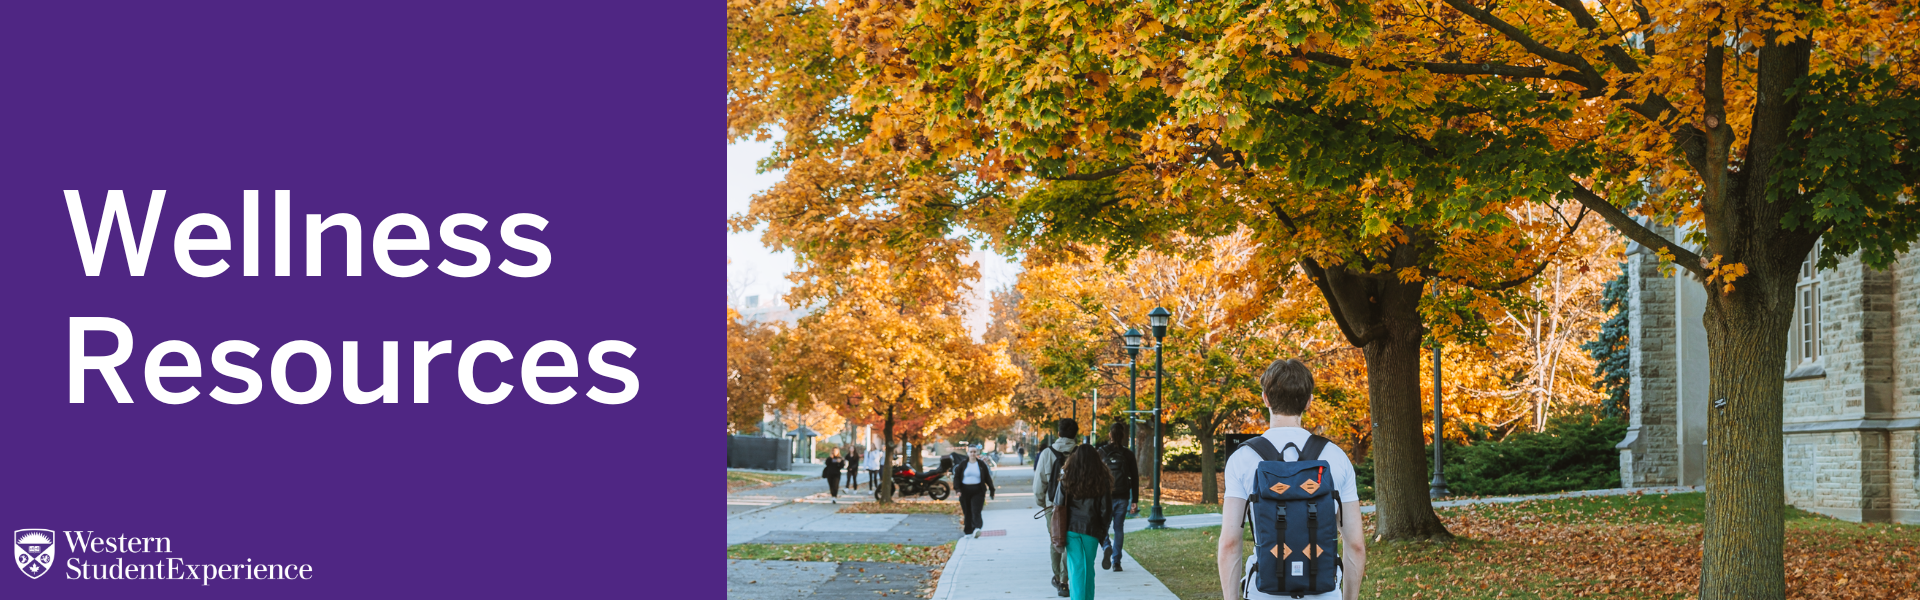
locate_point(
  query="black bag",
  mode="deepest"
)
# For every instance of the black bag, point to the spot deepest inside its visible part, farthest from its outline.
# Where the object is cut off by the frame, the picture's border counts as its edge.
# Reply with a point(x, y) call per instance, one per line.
point(1296, 520)
point(1117, 460)
point(1053, 475)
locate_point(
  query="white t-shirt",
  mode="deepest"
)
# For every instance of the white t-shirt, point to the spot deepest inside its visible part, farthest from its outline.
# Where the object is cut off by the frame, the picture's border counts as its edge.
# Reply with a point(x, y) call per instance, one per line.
point(1239, 479)
point(973, 472)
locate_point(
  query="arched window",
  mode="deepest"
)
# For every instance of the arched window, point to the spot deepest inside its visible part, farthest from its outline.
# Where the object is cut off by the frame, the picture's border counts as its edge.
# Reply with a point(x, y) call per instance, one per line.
point(1804, 339)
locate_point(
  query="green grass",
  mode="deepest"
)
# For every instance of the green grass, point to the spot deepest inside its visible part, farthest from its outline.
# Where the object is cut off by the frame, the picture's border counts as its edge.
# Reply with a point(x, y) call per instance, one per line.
point(1183, 559)
point(746, 480)
point(1170, 510)
point(932, 556)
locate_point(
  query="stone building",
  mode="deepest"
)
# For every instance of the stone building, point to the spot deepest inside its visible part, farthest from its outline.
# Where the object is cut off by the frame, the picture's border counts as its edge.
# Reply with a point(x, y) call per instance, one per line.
point(1852, 397)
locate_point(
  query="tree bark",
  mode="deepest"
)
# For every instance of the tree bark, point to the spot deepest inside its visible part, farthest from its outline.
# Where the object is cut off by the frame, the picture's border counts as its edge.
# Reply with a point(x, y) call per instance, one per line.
point(885, 491)
point(1746, 493)
point(1381, 314)
point(1402, 508)
point(1209, 491)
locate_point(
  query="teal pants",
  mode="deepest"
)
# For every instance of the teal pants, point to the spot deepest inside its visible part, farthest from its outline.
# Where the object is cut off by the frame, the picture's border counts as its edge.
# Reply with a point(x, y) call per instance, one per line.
point(1080, 550)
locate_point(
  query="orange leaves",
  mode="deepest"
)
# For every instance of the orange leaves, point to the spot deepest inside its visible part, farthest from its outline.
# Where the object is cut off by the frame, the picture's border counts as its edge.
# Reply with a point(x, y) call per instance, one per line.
point(1723, 274)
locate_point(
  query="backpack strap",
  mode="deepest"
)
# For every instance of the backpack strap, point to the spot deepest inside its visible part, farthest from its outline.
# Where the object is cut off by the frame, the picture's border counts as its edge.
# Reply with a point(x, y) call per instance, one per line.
point(1315, 444)
point(1264, 447)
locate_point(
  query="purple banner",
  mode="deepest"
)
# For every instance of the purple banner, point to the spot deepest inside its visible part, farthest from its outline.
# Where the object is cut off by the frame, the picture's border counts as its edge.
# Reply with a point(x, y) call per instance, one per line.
point(417, 306)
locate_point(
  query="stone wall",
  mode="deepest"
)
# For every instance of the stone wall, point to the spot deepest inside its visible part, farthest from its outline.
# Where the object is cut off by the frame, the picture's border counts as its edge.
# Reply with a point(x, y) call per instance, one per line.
point(1649, 456)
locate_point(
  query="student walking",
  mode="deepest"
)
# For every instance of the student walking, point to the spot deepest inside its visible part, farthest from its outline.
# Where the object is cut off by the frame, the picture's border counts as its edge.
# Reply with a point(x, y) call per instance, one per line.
point(974, 478)
point(871, 464)
point(1126, 491)
point(1085, 494)
point(1291, 552)
point(832, 473)
point(853, 469)
point(1047, 465)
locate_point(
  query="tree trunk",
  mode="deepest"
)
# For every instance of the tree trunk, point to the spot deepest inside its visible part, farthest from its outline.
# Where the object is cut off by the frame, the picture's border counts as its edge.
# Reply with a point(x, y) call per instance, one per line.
point(1746, 495)
point(884, 494)
point(1209, 491)
point(1402, 508)
point(1381, 315)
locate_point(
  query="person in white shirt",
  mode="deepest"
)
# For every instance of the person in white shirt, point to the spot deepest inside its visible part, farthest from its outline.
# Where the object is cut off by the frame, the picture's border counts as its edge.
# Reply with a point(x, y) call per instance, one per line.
point(871, 464)
point(1287, 386)
point(973, 476)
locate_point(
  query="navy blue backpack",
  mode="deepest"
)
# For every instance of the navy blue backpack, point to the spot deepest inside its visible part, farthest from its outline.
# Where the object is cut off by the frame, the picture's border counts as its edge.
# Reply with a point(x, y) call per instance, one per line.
point(1296, 521)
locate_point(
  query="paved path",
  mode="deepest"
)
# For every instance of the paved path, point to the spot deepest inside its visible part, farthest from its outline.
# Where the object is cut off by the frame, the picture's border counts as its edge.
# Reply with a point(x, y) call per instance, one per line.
point(1013, 565)
point(783, 579)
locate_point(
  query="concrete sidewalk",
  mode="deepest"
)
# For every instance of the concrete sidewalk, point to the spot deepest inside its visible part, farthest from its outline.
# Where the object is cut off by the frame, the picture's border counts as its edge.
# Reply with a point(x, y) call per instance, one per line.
point(1009, 561)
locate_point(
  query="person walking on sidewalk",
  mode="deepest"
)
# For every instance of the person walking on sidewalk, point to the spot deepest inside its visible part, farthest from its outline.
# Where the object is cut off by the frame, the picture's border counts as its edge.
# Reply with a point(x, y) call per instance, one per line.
point(871, 464)
point(853, 469)
point(1287, 386)
point(1086, 490)
point(832, 473)
point(974, 478)
point(1046, 479)
point(1126, 491)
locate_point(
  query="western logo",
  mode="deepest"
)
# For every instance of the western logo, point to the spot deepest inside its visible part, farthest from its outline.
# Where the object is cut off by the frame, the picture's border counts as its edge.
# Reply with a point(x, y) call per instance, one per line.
point(33, 551)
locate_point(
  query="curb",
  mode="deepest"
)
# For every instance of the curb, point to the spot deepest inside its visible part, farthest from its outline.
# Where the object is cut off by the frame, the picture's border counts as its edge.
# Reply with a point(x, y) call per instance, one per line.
point(944, 590)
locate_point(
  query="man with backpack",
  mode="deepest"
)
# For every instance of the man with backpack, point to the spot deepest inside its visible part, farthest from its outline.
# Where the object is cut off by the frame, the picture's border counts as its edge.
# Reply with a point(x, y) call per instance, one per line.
point(1126, 491)
point(1046, 479)
point(1298, 491)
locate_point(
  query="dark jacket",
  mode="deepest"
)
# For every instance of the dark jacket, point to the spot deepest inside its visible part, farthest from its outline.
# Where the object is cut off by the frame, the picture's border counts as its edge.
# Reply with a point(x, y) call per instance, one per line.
point(834, 463)
point(986, 474)
point(1091, 517)
point(1126, 485)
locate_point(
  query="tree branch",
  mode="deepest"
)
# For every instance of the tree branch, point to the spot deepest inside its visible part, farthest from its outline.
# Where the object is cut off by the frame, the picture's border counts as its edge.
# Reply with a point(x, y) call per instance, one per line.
point(1594, 80)
point(1094, 176)
point(1495, 69)
point(1682, 257)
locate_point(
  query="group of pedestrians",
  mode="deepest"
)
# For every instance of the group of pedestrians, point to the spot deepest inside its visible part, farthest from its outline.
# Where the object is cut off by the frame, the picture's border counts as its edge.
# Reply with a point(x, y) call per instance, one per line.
point(1086, 494)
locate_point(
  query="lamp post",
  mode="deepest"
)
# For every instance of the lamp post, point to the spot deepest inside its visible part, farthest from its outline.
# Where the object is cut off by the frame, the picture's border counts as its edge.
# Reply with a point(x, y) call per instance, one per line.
point(1438, 487)
point(1158, 319)
point(1133, 379)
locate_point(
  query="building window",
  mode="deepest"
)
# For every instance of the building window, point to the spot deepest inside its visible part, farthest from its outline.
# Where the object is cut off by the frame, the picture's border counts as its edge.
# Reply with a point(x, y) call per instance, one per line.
point(1805, 335)
point(753, 301)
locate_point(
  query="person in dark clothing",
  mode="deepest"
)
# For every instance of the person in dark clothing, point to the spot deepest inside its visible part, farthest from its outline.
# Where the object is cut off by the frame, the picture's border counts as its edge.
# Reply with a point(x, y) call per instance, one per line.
point(1086, 489)
point(832, 473)
point(974, 478)
point(1126, 491)
point(852, 467)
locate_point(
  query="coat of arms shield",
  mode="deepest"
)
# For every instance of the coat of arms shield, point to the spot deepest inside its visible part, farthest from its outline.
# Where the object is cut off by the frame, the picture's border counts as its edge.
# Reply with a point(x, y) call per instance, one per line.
point(33, 551)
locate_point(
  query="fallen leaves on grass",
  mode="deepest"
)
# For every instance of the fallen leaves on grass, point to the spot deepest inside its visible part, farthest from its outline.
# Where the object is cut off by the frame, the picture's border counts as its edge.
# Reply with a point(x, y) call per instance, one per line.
point(1635, 550)
point(931, 556)
point(910, 508)
point(1182, 487)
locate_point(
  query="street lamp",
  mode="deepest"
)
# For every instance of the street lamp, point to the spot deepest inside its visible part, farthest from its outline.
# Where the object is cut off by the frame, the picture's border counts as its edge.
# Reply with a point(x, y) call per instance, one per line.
point(1158, 319)
point(1438, 487)
point(1133, 378)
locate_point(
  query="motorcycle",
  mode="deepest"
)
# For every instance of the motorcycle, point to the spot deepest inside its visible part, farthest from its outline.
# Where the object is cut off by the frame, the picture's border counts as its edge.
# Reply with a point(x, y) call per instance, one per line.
point(932, 483)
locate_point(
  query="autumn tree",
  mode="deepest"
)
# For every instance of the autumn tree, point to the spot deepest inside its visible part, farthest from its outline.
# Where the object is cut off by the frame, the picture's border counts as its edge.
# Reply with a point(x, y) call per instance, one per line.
point(751, 382)
point(1078, 300)
point(1757, 126)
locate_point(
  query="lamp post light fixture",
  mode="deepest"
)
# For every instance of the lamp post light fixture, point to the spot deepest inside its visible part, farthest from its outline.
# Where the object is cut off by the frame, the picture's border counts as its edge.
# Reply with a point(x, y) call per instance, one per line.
point(1438, 487)
point(1158, 320)
point(1133, 380)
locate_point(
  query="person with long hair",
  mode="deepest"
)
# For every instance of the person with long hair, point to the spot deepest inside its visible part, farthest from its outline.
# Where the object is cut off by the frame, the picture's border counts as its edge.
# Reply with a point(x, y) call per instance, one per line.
point(1085, 486)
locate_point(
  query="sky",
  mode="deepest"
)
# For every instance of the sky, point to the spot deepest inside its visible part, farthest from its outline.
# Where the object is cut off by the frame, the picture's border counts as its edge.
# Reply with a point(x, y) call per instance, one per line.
point(756, 270)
